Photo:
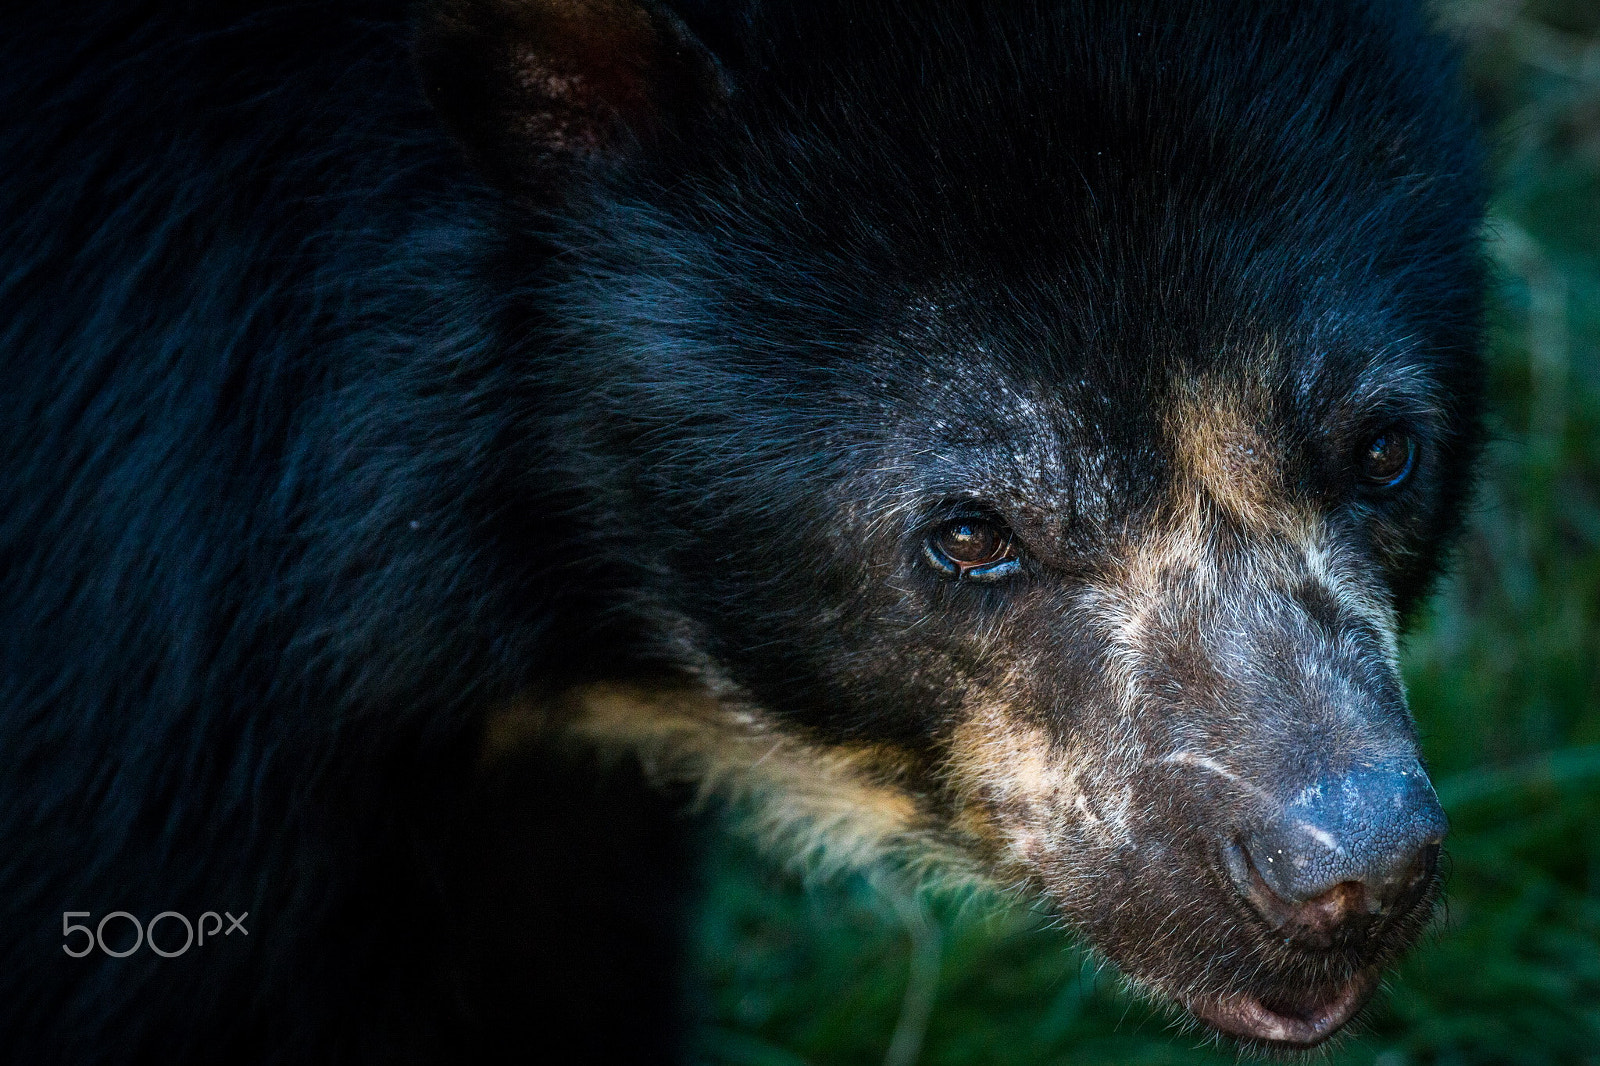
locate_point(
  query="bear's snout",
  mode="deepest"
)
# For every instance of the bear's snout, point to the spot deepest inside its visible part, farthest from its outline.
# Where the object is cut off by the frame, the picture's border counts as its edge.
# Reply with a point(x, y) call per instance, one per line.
point(1343, 856)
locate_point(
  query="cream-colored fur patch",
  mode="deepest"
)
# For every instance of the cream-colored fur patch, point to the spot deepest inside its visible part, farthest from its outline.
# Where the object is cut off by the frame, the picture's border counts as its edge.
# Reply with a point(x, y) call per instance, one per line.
point(826, 807)
point(1216, 431)
point(1030, 799)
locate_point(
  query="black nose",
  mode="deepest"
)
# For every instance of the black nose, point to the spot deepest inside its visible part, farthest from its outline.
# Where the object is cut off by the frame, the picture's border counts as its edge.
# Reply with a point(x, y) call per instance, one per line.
point(1343, 852)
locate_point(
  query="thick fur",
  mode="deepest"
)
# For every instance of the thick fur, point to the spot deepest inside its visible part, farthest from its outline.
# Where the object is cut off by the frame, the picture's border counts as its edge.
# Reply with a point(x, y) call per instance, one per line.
point(327, 442)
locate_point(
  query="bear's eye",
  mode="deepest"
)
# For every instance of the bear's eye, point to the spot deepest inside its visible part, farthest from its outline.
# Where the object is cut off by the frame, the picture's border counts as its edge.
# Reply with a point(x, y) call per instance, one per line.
point(974, 548)
point(1388, 458)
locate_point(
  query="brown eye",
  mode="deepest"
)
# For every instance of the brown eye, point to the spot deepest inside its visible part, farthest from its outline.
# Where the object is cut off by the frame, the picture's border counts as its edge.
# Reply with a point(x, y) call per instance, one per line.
point(1388, 458)
point(971, 548)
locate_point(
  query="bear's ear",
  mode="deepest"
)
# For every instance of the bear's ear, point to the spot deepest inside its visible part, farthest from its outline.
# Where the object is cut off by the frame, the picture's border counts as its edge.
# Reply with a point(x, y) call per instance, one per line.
point(530, 87)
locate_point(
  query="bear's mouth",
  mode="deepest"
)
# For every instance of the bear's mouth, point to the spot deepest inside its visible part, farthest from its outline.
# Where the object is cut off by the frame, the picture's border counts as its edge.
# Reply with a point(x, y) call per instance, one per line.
point(1301, 1024)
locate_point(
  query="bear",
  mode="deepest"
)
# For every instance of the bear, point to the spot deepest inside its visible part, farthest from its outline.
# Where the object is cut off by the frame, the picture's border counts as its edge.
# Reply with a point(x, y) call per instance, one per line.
point(999, 443)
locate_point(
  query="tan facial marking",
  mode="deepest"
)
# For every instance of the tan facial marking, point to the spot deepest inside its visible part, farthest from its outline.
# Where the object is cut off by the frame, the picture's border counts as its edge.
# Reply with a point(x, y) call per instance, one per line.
point(1230, 538)
point(827, 807)
point(1026, 795)
point(1223, 452)
point(1229, 463)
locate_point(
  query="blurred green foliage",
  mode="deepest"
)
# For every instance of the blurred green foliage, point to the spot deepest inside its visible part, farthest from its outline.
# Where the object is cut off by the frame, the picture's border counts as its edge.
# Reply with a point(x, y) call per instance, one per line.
point(1504, 675)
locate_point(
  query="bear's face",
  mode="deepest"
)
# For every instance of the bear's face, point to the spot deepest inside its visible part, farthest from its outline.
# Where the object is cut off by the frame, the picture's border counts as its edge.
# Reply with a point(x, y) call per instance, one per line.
point(1026, 438)
point(1148, 622)
point(1124, 634)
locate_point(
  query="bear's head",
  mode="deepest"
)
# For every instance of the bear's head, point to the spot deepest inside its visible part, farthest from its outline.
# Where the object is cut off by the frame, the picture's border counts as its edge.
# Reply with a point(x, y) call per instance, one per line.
point(1025, 428)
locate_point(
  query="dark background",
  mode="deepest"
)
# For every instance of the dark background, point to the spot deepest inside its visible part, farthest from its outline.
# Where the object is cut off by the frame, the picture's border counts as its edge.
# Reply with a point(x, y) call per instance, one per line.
point(1503, 678)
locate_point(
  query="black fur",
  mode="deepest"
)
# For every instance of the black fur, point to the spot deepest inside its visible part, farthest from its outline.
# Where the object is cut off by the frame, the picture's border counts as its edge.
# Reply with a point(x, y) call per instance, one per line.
point(318, 447)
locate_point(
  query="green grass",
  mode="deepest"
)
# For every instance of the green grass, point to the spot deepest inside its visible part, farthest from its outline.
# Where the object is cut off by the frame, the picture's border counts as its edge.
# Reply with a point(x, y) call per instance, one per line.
point(1504, 676)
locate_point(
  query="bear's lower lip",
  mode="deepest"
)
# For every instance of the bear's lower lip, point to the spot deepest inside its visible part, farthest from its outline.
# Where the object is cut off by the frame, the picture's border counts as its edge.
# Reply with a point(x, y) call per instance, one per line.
point(1244, 1015)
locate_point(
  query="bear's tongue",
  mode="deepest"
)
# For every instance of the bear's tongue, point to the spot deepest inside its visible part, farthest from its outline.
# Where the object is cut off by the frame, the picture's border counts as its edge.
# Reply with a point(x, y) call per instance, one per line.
point(1300, 1025)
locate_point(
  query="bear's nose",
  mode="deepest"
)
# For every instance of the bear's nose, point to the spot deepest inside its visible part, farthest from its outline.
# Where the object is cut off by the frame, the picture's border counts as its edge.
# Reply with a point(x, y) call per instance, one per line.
point(1344, 852)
